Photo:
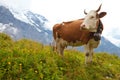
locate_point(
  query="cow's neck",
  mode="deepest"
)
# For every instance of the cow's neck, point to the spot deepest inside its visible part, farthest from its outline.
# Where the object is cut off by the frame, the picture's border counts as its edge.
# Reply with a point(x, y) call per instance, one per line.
point(100, 27)
point(97, 35)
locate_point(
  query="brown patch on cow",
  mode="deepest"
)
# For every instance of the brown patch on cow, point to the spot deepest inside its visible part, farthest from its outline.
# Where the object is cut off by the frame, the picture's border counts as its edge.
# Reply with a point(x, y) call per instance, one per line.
point(71, 32)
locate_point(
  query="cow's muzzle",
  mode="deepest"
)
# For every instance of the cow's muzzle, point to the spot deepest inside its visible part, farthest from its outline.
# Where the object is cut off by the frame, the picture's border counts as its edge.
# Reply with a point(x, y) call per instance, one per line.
point(82, 27)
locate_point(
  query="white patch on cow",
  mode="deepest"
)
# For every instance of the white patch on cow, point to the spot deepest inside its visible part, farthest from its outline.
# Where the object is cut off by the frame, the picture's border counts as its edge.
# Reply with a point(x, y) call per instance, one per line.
point(93, 44)
point(63, 23)
point(90, 21)
point(61, 42)
point(64, 43)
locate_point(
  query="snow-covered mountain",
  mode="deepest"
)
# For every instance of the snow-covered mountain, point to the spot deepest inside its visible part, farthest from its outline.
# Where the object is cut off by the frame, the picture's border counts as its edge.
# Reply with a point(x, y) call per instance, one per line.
point(33, 26)
point(24, 25)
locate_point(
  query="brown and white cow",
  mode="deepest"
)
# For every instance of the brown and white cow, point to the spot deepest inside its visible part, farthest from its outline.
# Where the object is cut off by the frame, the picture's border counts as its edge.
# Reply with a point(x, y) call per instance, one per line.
point(86, 31)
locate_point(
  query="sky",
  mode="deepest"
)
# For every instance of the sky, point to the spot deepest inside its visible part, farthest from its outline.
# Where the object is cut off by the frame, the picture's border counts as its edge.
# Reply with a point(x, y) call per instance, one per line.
point(57, 11)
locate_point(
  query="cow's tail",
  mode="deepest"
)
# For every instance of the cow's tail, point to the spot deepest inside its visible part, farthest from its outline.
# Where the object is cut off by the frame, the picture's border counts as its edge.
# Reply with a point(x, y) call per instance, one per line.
point(53, 45)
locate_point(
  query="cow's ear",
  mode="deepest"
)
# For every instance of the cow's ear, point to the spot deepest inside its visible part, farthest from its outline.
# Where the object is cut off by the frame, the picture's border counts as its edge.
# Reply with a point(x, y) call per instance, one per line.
point(102, 14)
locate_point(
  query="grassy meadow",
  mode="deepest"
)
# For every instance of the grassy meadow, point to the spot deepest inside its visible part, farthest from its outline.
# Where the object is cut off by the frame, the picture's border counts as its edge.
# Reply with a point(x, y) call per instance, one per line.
point(29, 60)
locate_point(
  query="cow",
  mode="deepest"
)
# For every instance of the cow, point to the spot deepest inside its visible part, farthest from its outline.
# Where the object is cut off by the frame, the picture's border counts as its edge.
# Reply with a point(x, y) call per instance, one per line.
point(81, 32)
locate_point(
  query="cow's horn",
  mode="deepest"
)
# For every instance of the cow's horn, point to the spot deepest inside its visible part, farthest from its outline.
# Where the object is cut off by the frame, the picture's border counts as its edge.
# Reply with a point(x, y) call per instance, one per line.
point(99, 8)
point(85, 12)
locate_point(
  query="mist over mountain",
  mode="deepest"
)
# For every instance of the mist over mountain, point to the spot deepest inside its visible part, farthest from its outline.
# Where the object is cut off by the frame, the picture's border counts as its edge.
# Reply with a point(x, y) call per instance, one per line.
point(33, 26)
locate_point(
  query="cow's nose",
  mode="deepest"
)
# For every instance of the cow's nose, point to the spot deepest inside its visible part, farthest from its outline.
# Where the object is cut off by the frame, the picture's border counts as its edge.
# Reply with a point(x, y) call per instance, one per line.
point(82, 26)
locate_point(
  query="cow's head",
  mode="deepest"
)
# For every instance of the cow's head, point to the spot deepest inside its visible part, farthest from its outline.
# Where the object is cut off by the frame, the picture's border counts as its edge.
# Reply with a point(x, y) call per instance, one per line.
point(91, 20)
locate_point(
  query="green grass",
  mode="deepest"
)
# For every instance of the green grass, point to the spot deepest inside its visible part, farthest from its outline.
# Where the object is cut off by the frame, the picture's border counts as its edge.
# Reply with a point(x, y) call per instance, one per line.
point(29, 60)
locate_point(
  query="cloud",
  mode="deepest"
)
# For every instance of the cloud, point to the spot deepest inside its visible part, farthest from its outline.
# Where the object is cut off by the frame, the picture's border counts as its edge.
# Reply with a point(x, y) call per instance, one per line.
point(17, 4)
point(63, 9)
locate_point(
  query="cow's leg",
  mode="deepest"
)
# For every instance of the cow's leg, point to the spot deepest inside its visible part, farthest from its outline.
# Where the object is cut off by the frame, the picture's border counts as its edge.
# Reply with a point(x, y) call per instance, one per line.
point(91, 54)
point(54, 48)
point(87, 57)
point(62, 51)
point(60, 48)
point(87, 54)
point(89, 48)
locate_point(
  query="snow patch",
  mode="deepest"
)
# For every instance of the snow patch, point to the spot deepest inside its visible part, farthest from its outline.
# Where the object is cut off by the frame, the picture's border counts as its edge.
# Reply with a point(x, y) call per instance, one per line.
point(38, 29)
point(21, 16)
point(28, 17)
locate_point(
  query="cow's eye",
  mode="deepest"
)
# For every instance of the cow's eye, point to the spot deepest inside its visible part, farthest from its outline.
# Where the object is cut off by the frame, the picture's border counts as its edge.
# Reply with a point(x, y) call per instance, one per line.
point(91, 17)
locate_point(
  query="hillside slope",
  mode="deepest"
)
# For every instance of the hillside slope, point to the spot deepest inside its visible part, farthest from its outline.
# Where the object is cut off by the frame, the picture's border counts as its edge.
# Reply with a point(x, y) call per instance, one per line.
point(26, 59)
